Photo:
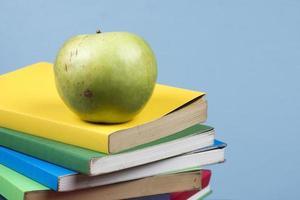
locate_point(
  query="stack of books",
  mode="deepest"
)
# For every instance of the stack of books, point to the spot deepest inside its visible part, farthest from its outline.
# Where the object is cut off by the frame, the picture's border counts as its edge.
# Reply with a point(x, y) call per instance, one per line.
point(46, 152)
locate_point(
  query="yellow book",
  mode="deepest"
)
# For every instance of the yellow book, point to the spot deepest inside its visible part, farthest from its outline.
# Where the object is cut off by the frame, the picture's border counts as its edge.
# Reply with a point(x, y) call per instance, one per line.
point(30, 103)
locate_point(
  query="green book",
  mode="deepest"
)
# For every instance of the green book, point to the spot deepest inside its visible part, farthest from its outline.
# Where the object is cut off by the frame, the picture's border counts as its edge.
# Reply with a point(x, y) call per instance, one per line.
point(14, 185)
point(95, 163)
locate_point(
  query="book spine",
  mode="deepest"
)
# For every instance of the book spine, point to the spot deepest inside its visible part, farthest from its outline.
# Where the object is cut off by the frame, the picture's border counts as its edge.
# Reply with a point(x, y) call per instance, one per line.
point(27, 166)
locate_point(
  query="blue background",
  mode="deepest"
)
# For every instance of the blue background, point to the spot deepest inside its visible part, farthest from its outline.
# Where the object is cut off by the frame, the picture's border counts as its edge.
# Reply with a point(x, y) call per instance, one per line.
point(244, 54)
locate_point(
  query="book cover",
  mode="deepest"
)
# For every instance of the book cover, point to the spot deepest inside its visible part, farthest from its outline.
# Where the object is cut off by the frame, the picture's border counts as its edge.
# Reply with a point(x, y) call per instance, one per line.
point(30, 104)
point(14, 185)
point(69, 156)
point(40, 171)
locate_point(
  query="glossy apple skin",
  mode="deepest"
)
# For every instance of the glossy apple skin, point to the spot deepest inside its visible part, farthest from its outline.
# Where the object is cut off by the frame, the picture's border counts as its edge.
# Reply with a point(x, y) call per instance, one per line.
point(105, 77)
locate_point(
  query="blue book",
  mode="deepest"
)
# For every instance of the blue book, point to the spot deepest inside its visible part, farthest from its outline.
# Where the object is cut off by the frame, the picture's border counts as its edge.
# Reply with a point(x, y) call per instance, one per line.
point(62, 179)
point(41, 171)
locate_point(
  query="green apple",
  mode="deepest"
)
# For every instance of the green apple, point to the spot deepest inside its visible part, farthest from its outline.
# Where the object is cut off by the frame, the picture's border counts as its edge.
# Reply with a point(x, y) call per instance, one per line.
point(105, 77)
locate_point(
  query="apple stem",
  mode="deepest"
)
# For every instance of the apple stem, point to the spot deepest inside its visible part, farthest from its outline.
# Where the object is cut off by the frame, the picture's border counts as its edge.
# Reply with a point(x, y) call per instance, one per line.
point(98, 31)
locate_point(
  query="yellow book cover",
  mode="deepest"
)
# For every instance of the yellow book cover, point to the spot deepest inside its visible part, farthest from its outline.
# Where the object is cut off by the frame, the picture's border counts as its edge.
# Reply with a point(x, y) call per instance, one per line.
point(30, 103)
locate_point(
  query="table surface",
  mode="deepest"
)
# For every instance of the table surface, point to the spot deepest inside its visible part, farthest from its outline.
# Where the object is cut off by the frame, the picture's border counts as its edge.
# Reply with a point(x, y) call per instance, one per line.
point(244, 54)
